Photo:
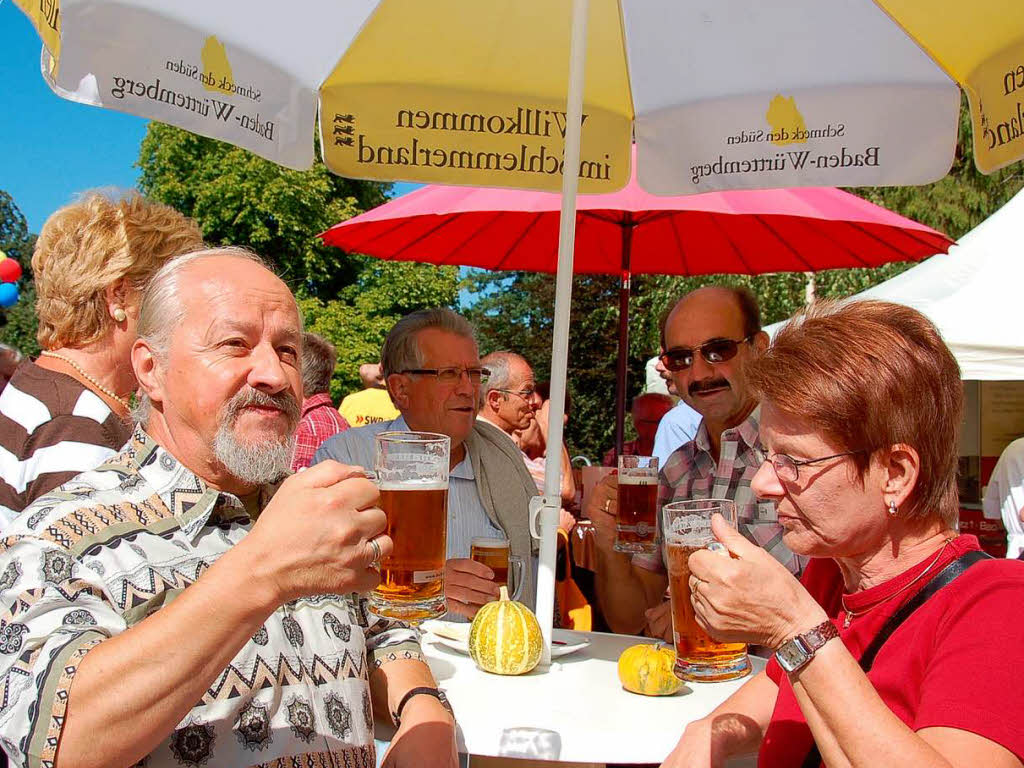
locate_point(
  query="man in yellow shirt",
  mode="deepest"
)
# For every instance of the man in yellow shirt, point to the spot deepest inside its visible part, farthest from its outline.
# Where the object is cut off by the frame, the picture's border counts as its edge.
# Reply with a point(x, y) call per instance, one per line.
point(370, 405)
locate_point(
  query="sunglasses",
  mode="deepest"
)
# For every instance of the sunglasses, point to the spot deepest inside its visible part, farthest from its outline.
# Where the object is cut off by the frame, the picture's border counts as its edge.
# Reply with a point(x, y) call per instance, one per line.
point(714, 351)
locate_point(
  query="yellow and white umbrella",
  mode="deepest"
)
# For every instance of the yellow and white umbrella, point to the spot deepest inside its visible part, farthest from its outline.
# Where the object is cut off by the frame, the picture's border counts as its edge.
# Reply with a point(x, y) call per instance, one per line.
point(718, 94)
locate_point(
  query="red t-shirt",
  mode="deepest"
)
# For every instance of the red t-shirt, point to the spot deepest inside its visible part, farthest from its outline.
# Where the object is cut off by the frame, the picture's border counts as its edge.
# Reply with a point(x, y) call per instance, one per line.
point(955, 663)
point(823, 579)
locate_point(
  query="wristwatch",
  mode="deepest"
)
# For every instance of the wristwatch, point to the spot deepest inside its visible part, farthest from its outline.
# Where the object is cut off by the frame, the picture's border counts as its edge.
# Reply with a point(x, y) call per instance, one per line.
point(437, 693)
point(794, 654)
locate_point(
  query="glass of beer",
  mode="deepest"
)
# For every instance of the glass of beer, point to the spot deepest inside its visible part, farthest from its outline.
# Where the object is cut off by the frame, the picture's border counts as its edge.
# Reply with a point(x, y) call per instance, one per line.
point(636, 529)
point(411, 470)
point(494, 553)
point(686, 527)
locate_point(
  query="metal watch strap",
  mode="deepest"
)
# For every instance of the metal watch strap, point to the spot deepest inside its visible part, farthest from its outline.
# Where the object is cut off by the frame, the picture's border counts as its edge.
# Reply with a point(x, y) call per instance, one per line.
point(821, 634)
point(437, 693)
point(807, 643)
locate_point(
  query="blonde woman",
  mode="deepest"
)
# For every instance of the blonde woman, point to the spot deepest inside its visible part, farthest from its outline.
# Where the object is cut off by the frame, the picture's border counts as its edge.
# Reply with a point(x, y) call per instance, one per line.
point(68, 411)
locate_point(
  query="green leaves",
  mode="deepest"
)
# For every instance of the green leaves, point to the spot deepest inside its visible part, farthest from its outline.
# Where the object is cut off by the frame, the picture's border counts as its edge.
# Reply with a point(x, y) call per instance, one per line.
point(240, 199)
point(19, 328)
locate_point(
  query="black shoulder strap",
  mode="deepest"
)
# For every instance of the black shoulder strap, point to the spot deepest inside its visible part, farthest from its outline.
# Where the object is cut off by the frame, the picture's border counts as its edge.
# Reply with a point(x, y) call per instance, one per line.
point(943, 578)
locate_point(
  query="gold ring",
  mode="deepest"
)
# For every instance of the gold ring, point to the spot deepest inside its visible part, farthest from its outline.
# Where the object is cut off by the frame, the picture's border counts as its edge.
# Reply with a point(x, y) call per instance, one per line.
point(607, 504)
point(377, 554)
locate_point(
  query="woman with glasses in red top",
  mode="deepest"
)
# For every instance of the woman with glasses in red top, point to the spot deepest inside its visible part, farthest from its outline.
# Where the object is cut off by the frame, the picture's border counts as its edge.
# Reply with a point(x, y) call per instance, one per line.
point(861, 406)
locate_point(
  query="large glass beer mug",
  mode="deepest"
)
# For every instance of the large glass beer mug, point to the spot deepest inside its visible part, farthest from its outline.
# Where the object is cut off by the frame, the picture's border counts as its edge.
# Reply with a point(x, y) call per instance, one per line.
point(412, 474)
point(637, 526)
point(686, 527)
point(494, 553)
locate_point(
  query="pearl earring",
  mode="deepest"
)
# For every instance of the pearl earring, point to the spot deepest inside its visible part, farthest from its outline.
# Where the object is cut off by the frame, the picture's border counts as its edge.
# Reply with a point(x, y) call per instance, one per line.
point(893, 510)
point(119, 314)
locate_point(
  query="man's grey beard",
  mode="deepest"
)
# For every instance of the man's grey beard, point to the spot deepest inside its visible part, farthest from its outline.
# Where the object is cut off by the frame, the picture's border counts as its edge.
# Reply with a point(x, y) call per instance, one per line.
point(261, 462)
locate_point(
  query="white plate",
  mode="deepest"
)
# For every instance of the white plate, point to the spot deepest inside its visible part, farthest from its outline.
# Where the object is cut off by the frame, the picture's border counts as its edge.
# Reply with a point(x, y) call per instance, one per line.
point(451, 635)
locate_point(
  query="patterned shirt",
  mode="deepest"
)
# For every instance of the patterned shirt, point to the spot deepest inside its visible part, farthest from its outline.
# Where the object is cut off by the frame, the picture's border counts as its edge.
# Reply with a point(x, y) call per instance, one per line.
point(96, 556)
point(691, 473)
point(319, 421)
point(51, 428)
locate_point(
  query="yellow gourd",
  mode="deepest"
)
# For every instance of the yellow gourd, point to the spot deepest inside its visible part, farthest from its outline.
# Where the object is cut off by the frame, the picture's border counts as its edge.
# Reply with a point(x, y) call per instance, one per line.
point(505, 637)
point(647, 669)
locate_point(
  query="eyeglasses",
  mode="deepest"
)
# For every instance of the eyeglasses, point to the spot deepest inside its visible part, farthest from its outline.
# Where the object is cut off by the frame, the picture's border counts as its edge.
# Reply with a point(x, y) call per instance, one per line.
point(788, 469)
point(453, 374)
point(526, 394)
point(713, 351)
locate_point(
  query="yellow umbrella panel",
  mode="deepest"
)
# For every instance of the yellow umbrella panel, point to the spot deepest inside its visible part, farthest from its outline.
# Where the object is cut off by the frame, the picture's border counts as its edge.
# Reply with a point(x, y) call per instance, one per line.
point(981, 46)
point(415, 99)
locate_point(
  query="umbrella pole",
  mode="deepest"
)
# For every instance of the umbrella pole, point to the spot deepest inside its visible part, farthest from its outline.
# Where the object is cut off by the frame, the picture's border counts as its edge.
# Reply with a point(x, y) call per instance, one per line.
point(620, 370)
point(546, 507)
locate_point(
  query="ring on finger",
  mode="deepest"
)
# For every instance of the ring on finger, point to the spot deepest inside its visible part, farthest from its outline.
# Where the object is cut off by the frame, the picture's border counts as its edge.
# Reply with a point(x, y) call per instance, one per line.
point(607, 504)
point(377, 553)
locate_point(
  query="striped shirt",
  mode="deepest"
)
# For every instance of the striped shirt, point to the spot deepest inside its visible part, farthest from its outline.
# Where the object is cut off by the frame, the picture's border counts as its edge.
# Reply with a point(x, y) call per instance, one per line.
point(52, 427)
point(691, 473)
point(95, 557)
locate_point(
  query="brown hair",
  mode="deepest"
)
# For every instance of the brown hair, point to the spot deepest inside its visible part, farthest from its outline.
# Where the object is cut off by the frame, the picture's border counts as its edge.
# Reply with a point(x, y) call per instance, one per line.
point(869, 375)
point(318, 360)
point(91, 244)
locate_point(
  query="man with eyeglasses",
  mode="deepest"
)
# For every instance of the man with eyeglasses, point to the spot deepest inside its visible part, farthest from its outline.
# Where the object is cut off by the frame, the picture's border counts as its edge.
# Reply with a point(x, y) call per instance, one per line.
point(510, 399)
point(431, 366)
point(708, 337)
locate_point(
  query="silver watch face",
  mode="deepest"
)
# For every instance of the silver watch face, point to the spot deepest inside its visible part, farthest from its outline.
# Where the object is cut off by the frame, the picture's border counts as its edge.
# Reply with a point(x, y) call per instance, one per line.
point(791, 656)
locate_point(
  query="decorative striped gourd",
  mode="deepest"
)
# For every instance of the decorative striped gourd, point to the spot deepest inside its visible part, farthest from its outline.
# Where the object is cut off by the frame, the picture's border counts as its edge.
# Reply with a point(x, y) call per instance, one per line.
point(505, 637)
point(647, 669)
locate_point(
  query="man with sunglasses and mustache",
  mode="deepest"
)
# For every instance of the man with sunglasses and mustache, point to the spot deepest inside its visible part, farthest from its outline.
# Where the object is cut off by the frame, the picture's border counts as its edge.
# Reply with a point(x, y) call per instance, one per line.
point(709, 336)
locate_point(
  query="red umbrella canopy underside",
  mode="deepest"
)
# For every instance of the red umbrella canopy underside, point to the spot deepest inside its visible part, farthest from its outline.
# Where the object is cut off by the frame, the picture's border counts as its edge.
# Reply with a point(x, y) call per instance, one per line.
point(745, 231)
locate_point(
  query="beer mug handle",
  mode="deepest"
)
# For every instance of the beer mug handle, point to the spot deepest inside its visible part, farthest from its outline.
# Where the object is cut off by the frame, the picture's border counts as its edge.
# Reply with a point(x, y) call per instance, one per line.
point(717, 547)
point(515, 572)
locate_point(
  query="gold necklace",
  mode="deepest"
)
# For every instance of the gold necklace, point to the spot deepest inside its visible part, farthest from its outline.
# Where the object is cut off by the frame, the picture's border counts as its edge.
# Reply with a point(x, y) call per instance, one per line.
point(850, 615)
point(88, 377)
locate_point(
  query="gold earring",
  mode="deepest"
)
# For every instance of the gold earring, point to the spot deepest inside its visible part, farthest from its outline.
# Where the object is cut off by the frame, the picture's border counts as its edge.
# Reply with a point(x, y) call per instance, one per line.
point(119, 314)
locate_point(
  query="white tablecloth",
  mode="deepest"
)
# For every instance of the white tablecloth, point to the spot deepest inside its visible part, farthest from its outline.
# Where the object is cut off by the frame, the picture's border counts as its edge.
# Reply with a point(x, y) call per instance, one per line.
point(578, 706)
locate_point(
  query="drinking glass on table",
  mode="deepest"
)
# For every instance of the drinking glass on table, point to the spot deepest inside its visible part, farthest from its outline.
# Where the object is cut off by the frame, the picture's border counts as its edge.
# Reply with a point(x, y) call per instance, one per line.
point(494, 553)
point(411, 470)
point(686, 528)
point(637, 526)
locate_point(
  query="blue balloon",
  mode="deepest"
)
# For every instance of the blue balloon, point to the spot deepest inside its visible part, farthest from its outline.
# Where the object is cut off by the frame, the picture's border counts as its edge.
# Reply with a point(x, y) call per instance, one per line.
point(8, 294)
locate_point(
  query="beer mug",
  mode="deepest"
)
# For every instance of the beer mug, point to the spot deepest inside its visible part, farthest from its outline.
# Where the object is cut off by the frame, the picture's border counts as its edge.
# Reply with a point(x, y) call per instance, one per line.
point(686, 527)
point(494, 553)
point(411, 470)
point(637, 526)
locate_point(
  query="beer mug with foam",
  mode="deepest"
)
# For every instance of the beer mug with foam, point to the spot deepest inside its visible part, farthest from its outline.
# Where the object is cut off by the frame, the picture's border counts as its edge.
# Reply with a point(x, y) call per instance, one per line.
point(411, 470)
point(637, 526)
point(494, 553)
point(686, 527)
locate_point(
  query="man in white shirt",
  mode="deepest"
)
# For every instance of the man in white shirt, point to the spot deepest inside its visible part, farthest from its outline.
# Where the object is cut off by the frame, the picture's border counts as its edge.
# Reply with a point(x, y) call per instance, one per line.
point(1004, 496)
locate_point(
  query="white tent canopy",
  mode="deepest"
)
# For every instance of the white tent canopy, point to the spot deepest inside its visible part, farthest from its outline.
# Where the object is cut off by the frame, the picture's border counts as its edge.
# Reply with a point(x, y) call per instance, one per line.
point(974, 294)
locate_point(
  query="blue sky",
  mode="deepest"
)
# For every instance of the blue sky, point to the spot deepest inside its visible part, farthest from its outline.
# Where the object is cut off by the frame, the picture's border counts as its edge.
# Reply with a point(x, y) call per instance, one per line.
point(50, 148)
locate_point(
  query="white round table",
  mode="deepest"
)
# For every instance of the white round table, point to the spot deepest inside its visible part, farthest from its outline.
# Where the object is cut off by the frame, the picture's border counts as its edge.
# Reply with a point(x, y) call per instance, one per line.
point(575, 711)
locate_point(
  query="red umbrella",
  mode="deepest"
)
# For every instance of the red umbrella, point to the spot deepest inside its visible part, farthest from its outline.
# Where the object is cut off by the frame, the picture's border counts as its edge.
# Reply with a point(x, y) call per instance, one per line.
point(631, 231)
